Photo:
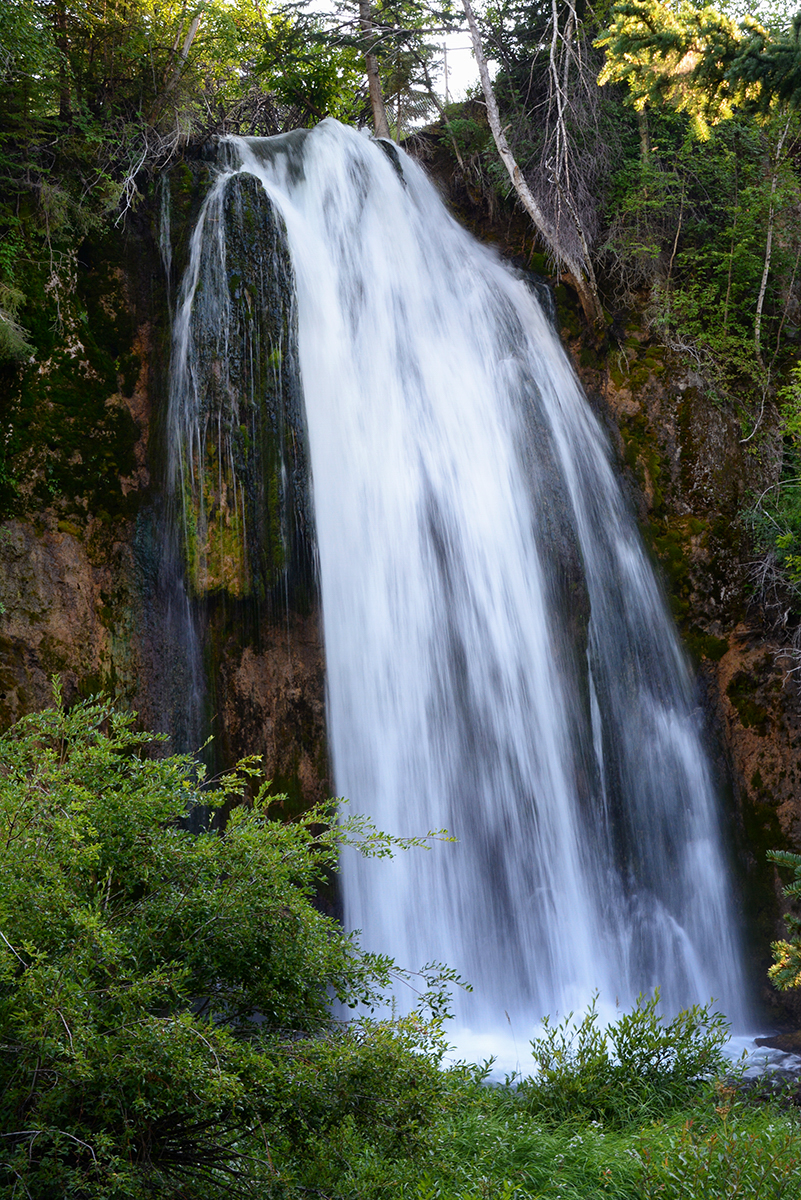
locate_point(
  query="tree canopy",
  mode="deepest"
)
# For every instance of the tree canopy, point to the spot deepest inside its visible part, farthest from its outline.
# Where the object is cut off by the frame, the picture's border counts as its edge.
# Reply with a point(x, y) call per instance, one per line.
point(701, 60)
point(162, 63)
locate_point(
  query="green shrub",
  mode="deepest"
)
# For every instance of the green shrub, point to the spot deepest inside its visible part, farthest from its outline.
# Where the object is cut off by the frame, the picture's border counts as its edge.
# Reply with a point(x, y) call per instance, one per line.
point(640, 1067)
point(165, 1024)
point(786, 969)
point(734, 1151)
point(150, 976)
point(775, 516)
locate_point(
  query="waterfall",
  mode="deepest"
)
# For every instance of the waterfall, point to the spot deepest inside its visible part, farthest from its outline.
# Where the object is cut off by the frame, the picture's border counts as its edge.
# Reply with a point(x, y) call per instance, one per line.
point(500, 661)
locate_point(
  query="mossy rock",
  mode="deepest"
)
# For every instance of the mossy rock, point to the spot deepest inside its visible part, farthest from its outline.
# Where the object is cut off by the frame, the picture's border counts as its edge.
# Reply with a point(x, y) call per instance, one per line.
point(567, 311)
point(617, 374)
point(742, 692)
point(71, 434)
point(248, 528)
point(702, 645)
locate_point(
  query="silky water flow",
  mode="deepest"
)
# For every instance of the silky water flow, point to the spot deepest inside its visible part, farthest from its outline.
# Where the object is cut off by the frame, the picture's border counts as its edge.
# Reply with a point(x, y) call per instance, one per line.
point(500, 662)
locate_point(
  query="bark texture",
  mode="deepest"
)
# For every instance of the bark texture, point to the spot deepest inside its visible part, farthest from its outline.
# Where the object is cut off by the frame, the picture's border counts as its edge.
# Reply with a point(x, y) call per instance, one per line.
point(579, 275)
point(380, 122)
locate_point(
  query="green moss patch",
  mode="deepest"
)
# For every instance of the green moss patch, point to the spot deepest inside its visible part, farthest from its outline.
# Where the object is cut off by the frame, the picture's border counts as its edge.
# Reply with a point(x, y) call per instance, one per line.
point(741, 691)
point(69, 435)
point(703, 645)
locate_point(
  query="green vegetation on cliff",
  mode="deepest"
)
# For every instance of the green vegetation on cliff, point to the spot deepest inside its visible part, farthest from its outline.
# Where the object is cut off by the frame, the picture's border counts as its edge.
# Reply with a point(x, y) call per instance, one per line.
point(94, 100)
point(730, 296)
point(695, 240)
point(166, 1029)
point(786, 969)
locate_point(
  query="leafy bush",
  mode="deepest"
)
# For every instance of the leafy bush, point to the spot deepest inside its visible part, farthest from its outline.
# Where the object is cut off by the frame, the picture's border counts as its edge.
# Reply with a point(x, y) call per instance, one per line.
point(775, 515)
point(488, 1143)
point(149, 975)
point(735, 1151)
point(640, 1067)
point(786, 969)
point(165, 1027)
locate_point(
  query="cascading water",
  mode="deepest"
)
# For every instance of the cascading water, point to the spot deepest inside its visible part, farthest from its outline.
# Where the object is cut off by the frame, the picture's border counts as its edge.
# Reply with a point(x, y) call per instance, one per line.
point(238, 473)
point(499, 658)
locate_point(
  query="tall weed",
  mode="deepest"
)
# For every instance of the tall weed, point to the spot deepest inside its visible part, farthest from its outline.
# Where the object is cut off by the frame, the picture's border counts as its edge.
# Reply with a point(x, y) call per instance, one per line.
point(641, 1067)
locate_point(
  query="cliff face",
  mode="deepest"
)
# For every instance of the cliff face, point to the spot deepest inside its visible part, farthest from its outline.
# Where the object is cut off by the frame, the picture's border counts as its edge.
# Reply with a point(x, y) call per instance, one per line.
point(89, 586)
point(55, 614)
point(75, 475)
point(692, 472)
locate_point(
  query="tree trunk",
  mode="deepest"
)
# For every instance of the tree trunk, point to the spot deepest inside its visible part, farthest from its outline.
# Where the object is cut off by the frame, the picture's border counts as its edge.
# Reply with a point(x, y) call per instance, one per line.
point(62, 45)
point(380, 122)
point(769, 245)
point(733, 238)
point(179, 67)
point(579, 275)
point(645, 137)
point(179, 60)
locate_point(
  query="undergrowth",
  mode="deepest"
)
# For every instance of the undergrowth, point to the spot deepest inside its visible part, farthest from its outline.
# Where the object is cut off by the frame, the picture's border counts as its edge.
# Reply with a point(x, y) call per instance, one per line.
point(649, 1108)
point(488, 1143)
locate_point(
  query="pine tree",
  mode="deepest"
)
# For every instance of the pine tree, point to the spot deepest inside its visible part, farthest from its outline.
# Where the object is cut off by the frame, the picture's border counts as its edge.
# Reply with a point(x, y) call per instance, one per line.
point(700, 60)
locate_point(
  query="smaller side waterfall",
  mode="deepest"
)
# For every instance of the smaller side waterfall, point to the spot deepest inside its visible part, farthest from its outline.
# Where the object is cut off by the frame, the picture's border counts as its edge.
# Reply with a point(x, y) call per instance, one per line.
point(240, 517)
point(500, 660)
point(237, 431)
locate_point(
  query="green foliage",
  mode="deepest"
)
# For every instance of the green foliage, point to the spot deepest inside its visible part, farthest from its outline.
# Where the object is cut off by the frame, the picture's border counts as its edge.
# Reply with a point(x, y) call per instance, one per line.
point(404, 37)
point(640, 1067)
point(486, 1142)
point(703, 237)
point(67, 404)
point(307, 71)
point(775, 516)
point(701, 60)
point(96, 98)
point(731, 1150)
point(708, 235)
point(790, 399)
point(469, 136)
point(710, 232)
point(786, 969)
point(147, 61)
point(149, 975)
point(165, 1025)
point(689, 234)
point(13, 343)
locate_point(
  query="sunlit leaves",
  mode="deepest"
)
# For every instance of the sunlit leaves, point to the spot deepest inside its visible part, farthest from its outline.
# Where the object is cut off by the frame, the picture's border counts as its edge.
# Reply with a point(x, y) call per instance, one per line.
point(700, 60)
point(786, 969)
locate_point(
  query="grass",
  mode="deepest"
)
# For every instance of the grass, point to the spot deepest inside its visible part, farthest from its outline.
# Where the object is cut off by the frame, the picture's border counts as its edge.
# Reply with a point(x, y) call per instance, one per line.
point(489, 1144)
point(647, 1108)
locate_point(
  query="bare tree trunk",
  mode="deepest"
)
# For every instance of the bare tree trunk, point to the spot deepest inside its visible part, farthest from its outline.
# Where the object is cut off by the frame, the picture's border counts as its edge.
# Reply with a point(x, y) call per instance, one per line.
point(380, 122)
point(676, 246)
point(733, 244)
point(769, 244)
point(187, 46)
point(180, 59)
point(579, 274)
point(645, 137)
